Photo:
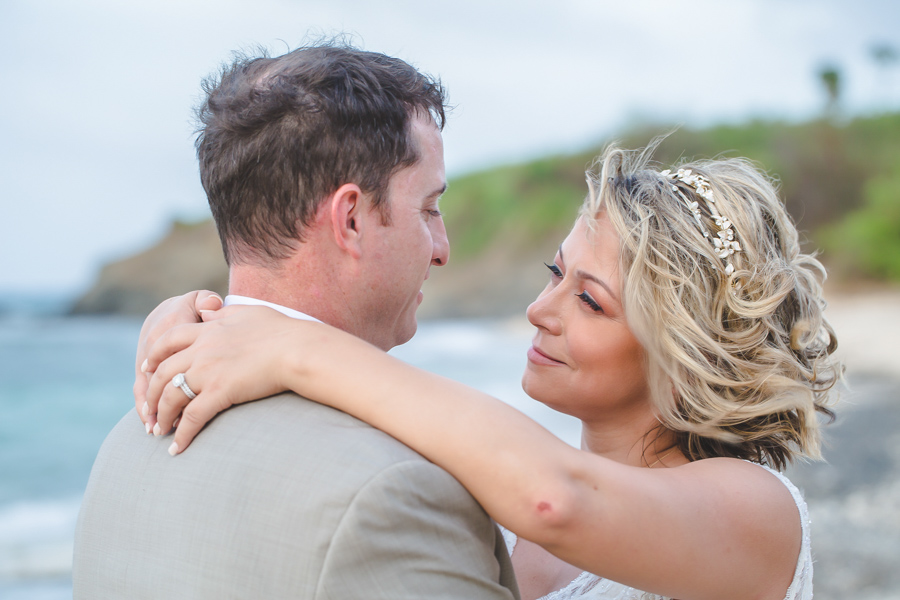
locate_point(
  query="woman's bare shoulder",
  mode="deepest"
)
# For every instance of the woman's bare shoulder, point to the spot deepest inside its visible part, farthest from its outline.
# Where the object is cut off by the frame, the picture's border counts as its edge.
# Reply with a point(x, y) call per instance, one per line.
point(747, 482)
point(755, 500)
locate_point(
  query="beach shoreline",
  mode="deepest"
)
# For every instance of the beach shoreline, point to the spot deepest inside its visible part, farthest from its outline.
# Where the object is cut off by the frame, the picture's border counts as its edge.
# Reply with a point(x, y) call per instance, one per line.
point(854, 495)
point(867, 325)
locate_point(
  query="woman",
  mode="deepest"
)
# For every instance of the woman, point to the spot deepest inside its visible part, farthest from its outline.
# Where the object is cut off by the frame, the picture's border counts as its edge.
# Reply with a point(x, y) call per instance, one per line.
point(681, 324)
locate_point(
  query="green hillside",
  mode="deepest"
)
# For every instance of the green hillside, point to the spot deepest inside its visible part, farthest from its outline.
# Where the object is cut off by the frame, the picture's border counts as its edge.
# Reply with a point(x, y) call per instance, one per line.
point(841, 182)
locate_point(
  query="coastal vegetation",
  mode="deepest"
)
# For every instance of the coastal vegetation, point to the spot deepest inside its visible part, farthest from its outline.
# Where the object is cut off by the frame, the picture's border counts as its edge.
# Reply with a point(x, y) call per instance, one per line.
point(840, 180)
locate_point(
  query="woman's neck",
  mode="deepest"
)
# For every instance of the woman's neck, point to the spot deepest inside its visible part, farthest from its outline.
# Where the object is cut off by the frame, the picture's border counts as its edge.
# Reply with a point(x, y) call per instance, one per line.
point(639, 441)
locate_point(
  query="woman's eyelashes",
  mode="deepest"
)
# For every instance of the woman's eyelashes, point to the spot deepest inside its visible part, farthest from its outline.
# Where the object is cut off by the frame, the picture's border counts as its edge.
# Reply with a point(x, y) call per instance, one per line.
point(590, 302)
point(556, 272)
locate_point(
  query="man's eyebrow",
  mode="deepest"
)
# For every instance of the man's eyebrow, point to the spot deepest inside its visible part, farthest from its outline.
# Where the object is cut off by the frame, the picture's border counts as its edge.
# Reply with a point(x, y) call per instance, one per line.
point(439, 192)
point(585, 275)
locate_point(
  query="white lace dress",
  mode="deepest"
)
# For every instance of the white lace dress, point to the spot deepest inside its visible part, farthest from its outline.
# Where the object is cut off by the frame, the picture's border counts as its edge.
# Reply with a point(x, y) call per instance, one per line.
point(591, 587)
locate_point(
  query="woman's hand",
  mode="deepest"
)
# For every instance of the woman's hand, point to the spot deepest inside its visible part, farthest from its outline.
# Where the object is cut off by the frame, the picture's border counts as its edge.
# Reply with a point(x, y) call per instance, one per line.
point(236, 355)
point(172, 312)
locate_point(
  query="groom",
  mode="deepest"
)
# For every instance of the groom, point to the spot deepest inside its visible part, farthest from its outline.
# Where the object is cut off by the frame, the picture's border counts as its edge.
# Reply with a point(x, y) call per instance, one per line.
point(323, 169)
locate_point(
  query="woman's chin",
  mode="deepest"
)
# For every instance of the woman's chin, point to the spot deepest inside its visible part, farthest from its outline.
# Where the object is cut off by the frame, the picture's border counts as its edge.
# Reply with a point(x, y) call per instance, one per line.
point(526, 387)
point(538, 392)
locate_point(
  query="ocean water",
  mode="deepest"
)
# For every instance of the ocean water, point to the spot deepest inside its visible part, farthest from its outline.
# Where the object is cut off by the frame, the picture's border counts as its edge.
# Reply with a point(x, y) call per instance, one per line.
point(65, 382)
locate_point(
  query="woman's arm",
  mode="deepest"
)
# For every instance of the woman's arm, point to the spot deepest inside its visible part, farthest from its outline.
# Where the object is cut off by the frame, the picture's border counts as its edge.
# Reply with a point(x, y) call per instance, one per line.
point(246, 353)
point(703, 530)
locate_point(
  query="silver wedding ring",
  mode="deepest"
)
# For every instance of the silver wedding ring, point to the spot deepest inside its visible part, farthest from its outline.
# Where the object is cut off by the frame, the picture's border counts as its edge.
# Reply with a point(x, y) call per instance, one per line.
point(179, 382)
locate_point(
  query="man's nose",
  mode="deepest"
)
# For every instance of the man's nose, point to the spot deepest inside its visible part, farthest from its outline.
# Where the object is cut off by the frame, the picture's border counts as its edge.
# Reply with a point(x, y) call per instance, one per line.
point(441, 251)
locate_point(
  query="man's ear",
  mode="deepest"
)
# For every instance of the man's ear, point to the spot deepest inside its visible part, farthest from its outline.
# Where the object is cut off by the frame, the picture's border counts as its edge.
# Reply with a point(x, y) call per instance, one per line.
point(346, 222)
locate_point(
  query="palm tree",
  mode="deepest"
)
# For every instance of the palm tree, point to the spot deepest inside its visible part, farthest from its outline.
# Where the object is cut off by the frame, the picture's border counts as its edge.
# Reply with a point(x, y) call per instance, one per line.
point(830, 77)
point(886, 57)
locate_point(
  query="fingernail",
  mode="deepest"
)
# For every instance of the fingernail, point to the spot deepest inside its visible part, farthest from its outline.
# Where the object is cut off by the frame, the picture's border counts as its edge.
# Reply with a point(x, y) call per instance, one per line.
point(205, 310)
point(219, 297)
point(177, 421)
point(144, 366)
point(147, 425)
point(173, 449)
point(146, 409)
point(157, 430)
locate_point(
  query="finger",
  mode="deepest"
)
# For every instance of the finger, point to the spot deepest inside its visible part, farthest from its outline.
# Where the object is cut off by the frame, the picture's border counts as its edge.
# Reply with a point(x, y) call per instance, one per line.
point(169, 313)
point(171, 405)
point(141, 385)
point(161, 392)
point(174, 400)
point(150, 423)
point(144, 411)
point(194, 417)
point(174, 340)
point(139, 389)
point(215, 315)
point(207, 300)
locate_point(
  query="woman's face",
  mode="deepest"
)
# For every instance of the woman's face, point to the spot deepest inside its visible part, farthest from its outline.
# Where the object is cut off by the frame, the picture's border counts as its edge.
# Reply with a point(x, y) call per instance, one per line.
point(584, 360)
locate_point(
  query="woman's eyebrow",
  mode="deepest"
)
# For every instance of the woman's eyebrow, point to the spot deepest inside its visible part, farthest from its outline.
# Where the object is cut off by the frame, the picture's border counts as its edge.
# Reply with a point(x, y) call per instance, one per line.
point(585, 275)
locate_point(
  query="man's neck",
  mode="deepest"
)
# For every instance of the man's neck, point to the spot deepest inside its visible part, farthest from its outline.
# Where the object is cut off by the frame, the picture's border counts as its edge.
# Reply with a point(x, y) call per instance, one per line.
point(268, 286)
point(293, 289)
point(233, 299)
point(318, 278)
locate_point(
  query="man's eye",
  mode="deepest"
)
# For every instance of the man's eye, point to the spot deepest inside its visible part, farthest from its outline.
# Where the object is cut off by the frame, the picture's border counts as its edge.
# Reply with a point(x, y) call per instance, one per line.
point(555, 270)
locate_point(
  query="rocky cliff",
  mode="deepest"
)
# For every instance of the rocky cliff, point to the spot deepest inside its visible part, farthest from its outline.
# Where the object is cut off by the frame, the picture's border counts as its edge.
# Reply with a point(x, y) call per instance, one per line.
point(189, 257)
point(499, 282)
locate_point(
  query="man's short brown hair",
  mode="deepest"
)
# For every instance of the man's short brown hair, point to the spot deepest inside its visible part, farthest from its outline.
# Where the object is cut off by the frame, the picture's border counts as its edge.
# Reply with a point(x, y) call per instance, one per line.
point(278, 135)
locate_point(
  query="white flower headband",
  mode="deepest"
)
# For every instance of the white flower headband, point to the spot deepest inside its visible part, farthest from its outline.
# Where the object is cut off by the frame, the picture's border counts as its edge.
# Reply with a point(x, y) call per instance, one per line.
point(724, 242)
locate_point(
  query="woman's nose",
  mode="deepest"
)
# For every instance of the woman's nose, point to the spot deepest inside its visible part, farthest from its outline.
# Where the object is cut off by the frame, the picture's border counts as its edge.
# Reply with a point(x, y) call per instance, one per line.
point(543, 313)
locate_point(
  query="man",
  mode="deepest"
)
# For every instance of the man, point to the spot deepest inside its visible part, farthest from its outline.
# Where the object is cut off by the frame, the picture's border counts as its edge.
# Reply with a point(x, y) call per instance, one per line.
point(323, 169)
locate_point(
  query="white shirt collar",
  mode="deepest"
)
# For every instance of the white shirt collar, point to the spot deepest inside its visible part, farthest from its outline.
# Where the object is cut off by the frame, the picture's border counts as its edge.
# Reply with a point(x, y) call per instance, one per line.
point(232, 299)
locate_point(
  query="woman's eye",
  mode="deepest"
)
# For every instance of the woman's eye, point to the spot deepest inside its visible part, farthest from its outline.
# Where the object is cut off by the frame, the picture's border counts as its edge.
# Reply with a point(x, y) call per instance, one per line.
point(555, 270)
point(592, 304)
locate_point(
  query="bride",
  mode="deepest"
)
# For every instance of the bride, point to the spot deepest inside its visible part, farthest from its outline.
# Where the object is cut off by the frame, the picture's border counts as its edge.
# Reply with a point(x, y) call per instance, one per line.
point(681, 324)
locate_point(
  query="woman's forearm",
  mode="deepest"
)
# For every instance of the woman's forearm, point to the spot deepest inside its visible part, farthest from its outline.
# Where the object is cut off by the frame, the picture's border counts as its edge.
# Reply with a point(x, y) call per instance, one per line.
point(521, 473)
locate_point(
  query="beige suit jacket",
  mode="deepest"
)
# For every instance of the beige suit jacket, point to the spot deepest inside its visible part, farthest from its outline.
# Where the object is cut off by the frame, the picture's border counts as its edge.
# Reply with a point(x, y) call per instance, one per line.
point(282, 498)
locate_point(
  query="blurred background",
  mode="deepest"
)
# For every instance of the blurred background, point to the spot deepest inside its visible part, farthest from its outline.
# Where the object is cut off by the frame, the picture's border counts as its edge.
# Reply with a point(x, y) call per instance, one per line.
point(102, 214)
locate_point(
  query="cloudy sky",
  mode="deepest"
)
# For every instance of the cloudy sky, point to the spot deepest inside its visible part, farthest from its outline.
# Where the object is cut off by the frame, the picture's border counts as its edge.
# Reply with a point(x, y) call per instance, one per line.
point(96, 154)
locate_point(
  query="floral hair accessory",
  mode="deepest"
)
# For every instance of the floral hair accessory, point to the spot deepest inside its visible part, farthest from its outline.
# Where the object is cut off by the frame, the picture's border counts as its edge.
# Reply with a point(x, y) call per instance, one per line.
point(724, 242)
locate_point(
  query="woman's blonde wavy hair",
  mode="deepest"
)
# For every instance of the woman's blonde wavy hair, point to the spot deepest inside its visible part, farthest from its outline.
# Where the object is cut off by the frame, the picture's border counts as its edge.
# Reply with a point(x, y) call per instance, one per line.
point(738, 364)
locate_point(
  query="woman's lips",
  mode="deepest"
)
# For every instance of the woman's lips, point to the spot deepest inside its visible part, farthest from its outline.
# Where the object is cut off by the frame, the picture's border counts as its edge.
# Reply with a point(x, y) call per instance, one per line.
point(538, 357)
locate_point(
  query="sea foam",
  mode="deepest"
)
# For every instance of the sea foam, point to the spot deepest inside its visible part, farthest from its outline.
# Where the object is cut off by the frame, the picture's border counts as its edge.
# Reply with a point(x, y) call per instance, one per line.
point(36, 539)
